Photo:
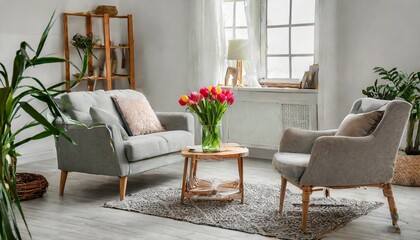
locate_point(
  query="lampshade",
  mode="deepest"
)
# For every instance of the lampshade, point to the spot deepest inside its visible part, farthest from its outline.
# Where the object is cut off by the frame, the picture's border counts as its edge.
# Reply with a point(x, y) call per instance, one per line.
point(238, 49)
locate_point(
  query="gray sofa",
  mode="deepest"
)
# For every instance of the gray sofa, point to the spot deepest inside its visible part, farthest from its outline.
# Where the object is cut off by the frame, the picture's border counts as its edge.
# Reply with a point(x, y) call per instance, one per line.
point(101, 149)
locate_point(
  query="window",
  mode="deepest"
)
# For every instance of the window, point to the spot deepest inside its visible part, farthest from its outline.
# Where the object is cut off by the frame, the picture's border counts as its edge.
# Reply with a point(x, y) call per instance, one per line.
point(235, 19)
point(287, 36)
point(287, 39)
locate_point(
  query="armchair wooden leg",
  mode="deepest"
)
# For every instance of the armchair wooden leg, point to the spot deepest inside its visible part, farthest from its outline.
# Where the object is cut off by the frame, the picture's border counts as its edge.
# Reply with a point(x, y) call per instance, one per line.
point(282, 193)
point(63, 179)
point(123, 187)
point(306, 196)
point(387, 190)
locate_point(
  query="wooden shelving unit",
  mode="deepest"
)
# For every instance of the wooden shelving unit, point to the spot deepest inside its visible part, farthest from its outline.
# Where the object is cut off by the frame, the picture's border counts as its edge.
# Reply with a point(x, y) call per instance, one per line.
point(89, 18)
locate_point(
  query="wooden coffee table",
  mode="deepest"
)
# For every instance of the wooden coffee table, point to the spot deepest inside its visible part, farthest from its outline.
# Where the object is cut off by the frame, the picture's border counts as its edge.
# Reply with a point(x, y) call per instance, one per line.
point(199, 189)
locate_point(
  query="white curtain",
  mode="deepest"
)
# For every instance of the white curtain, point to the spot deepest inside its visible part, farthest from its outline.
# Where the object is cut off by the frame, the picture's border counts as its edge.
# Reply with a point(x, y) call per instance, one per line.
point(253, 67)
point(207, 44)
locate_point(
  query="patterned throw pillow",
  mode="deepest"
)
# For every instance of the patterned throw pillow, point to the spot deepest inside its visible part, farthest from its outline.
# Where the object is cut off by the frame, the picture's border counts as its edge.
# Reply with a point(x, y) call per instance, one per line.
point(138, 115)
point(359, 125)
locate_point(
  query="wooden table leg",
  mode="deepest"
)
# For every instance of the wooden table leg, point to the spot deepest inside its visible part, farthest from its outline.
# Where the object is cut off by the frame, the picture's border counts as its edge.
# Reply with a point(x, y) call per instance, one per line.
point(241, 178)
point(184, 180)
point(195, 168)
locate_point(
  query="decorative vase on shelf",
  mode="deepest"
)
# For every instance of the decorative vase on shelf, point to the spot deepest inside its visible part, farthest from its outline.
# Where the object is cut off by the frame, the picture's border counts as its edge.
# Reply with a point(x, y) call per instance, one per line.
point(211, 138)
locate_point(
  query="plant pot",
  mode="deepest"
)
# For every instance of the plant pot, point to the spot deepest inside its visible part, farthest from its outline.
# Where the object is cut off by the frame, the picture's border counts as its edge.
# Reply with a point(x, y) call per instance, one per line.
point(407, 170)
point(30, 186)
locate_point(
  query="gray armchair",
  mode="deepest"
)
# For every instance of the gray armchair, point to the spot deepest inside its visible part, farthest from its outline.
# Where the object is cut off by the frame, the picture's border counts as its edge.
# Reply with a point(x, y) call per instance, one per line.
point(310, 159)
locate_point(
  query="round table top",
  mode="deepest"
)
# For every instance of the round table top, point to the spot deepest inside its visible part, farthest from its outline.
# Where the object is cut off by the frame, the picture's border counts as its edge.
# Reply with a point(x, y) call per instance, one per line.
point(229, 150)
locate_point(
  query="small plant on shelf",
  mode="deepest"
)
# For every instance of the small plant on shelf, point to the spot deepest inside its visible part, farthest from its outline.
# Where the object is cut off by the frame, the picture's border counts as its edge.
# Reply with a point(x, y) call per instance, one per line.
point(83, 44)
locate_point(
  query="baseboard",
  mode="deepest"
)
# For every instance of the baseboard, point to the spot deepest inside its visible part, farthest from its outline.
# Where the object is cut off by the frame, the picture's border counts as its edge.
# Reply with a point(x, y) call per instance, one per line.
point(36, 156)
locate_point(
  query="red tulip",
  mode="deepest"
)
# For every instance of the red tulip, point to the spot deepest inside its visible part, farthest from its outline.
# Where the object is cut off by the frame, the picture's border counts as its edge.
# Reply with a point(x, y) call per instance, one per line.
point(181, 102)
point(213, 91)
point(230, 98)
point(213, 97)
point(204, 91)
point(222, 97)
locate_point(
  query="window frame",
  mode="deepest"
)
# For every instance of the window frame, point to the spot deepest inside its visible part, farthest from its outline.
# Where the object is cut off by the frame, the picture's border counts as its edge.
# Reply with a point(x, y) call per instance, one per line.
point(281, 82)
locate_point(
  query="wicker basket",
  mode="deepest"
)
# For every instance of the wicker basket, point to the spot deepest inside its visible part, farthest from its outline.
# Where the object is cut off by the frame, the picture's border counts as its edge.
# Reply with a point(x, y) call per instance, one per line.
point(102, 9)
point(407, 170)
point(30, 185)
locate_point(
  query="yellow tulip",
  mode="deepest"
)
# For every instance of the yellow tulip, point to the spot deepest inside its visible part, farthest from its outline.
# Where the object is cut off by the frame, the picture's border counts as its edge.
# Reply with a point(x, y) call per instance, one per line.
point(218, 90)
point(184, 98)
point(209, 88)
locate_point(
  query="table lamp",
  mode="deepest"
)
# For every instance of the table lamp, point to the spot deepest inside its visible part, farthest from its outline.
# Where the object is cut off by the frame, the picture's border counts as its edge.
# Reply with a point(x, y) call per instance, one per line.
point(238, 50)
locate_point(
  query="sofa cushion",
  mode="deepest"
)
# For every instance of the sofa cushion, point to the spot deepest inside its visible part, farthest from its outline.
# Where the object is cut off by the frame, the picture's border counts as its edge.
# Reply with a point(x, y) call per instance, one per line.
point(359, 125)
point(138, 115)
point(176, 140)
point(78, 104)
point(100, 116)
point(141, 147)
point(145, 146)
point(291, 165)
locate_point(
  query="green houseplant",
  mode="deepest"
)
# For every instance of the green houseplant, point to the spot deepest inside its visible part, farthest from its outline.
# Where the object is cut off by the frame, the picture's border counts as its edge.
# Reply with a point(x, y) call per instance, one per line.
point(396, 84)
point(17, 91)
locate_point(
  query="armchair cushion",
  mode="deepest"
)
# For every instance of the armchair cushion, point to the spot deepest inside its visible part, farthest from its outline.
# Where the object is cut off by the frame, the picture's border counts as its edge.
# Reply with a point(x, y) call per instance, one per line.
point(359, 125)
point(292, 165)
point(138, 115)
point(100, 116)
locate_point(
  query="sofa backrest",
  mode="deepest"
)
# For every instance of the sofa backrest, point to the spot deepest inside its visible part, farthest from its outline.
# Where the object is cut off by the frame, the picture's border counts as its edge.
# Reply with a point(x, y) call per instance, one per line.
point(78, 104)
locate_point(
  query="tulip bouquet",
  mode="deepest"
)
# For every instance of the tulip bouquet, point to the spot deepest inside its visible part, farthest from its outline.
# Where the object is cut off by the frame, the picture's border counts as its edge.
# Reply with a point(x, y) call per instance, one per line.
point(209, 104)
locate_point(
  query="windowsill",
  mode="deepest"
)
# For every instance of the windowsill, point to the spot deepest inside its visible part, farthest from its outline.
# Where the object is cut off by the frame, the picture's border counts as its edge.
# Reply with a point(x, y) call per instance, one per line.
point(274, 89)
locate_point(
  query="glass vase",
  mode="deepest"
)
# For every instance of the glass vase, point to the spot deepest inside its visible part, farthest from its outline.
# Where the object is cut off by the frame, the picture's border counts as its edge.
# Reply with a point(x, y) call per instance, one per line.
point(211, 138)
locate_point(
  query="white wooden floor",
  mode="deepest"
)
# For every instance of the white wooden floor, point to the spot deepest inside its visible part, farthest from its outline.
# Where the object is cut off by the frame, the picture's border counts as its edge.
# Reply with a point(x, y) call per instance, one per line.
point(80, 215)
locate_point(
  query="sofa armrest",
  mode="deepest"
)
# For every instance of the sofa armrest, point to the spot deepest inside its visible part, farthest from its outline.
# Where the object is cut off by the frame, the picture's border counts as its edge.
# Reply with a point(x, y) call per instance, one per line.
point(297, 140)
point(97, 150)
point(176, 121)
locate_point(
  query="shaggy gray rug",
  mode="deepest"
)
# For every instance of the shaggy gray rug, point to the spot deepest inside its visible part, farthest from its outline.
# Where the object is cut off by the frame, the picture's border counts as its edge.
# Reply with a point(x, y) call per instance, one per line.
point(259, 214)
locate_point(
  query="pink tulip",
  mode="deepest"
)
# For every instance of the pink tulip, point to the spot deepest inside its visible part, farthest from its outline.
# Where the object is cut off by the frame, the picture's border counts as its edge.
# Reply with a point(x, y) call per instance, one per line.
point(230, 98)
point(191, 102)
point(194, 96)
point(204, 91)
point(213, 97)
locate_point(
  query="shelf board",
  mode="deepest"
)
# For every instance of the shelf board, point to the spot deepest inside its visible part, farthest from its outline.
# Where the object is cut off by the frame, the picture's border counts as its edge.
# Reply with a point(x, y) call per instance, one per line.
point(86, 14)
point(117, 76)
point(103, 47)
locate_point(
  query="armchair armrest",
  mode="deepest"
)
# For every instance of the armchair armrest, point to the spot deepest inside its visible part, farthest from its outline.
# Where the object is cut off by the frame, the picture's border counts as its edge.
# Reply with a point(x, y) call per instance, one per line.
point(348, 161)
point(176, 121)
point(297, 140)
point(98, 150)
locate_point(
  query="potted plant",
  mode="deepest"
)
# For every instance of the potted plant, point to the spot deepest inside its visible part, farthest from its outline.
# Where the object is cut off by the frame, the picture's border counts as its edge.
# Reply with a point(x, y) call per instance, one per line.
point(396, 84)
point(16, 93)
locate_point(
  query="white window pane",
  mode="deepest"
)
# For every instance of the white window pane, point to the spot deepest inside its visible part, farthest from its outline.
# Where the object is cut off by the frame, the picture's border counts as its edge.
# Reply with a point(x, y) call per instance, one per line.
point(228, 14)
point(277, 67)
point(228, 33)
point(240, 14)
point(278, 40)
point(278, 12)
point(241, 33)
point(303, 40)
point(303, 11)
point(300, 65)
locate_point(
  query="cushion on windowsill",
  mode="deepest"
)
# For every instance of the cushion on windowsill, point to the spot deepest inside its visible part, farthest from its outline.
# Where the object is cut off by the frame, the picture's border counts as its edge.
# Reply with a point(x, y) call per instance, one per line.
point(359, 125)
point(138, 115)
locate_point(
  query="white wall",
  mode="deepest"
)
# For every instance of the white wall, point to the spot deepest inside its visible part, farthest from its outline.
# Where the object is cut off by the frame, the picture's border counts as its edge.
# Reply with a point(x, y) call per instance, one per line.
point(22, 20)
point(161, 37)
point(356, 36)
